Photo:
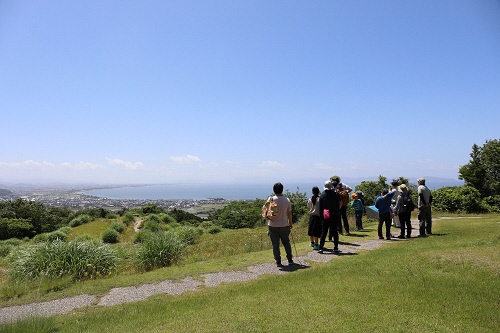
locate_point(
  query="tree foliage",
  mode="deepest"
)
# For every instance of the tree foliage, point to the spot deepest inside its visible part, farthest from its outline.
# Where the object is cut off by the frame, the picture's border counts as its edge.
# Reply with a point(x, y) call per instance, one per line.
point(483, 170)
point(238, 214)
point(40, 217)
point(458, 199)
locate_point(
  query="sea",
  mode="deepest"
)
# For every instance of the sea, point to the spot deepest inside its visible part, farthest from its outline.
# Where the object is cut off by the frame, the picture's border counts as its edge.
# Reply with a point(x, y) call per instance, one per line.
point(197, 191)
point(229, 191)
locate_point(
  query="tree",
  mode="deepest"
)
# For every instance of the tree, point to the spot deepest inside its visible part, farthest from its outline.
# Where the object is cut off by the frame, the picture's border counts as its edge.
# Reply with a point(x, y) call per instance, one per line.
point(372, 190)
point(483, 170)
point(299, 204)
point(238, 214)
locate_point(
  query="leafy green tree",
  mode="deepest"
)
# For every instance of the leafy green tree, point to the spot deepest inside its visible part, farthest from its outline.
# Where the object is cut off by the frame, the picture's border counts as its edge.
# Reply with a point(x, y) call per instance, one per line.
point(181, 215)
point(299, 204)
point(483, 170)
point(238, 214)
point(372, 189)
point(453, 199)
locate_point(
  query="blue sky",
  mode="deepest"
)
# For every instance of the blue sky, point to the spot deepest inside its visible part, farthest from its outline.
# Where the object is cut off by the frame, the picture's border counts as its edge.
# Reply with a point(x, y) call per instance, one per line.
point(216, 91)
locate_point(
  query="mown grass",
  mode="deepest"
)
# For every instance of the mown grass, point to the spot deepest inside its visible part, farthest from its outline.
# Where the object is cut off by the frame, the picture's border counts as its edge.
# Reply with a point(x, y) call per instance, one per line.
point(448, 282)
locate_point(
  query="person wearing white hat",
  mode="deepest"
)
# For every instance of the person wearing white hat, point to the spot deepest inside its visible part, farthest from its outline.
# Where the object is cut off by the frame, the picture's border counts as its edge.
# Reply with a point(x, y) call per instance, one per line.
point(424, 208)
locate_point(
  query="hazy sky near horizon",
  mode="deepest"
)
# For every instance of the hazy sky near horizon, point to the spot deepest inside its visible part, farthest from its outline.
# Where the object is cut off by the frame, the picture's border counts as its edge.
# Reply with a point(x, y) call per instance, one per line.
point(168, 91)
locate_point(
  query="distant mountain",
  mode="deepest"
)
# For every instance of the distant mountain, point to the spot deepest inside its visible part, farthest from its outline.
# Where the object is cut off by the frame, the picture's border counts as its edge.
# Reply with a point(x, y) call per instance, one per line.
point(5, 192)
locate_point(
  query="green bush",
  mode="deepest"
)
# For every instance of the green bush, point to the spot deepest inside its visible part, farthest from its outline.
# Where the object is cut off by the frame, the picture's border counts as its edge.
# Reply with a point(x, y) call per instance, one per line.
point(18, 228)
point(214, 229)
point(166, 218)
point(5, 249)
point(188, 234)
point(128, 218)
point(160, 250)
point(66, 230)
point(238, 214)
point(57, 235)
point(120, 227)
point(79, 260)
point(79, 220)
point(461, 199)
point(110, 236)
point(152, 223)
point(142, 235)
point(40, 238)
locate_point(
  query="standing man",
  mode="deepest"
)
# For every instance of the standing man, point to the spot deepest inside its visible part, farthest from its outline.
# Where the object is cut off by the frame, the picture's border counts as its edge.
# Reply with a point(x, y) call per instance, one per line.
point(404, 207)
point(343, 190)
point(280, 226)
point(424, 208)
point(329, 209)
point(394, 187)
point(383, 204)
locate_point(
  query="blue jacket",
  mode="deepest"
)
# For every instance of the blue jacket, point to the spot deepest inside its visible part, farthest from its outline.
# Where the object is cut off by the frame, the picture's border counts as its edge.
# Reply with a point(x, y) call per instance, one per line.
point(384, 204)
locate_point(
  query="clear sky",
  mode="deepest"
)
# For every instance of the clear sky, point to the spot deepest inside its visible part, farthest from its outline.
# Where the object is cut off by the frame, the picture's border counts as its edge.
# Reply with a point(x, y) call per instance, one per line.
point(168, 91)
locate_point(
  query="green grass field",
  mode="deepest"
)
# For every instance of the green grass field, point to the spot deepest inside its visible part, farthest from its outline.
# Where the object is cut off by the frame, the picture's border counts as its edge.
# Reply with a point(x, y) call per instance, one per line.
point(448, 282)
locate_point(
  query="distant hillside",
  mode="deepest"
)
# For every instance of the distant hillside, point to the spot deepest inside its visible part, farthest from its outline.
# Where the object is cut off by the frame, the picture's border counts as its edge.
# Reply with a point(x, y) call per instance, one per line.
point(5, 192)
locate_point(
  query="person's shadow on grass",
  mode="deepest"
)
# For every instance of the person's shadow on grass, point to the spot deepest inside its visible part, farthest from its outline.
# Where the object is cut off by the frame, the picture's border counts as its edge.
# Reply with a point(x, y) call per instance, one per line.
point(293, 267)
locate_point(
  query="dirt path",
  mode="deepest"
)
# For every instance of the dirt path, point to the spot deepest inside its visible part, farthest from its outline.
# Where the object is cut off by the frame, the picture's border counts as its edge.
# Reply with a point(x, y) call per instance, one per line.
point(132, 294)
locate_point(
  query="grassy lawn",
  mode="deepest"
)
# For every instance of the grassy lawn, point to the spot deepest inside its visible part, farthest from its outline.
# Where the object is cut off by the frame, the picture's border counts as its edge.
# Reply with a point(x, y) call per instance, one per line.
point(448, 282)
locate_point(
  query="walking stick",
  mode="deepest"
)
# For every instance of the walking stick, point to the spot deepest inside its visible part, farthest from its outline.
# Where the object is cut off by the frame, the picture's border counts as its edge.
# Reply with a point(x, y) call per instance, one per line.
point(296, 254)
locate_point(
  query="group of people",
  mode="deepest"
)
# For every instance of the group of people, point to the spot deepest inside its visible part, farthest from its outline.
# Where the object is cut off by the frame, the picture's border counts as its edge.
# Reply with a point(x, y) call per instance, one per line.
point(328, 214)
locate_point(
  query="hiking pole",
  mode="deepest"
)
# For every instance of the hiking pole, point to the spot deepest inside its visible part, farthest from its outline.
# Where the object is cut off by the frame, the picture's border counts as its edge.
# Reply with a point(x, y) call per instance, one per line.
point(296, 254)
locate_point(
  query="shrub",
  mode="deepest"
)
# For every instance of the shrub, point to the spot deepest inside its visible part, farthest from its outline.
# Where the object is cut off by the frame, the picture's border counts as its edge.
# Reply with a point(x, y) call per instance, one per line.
point(5, 249)
point(151, 224)
point(40, 238)
point(120, 227)
point(110, 236)
point(57, 235)
point(464, 199)
point(79, 260)
point(10, 228)
point(66, 230)
point(160, 250)
point(238, 214)
point(214, 229)
point(206, 224)
point(188, 234)
point(142, 235)
point(79, 220)
point(128, 218)
point(166, 218)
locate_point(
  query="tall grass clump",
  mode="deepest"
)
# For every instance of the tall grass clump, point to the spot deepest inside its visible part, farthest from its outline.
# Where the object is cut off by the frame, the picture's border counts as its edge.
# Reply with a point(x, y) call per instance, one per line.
point(188, 234)
point(31, 324)
point(79, 260)
point(79, 220)
point(160, 250)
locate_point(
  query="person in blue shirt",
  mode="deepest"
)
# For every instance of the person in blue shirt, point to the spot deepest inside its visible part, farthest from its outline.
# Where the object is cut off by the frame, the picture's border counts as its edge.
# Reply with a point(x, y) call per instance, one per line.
point(383, 204)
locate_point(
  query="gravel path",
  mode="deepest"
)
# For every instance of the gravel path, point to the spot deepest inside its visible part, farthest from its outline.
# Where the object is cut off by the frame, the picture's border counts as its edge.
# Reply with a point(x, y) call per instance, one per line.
point(133, 294)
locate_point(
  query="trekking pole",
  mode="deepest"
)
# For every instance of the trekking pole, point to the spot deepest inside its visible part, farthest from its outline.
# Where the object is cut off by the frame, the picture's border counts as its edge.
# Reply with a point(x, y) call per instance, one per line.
point(296, 254)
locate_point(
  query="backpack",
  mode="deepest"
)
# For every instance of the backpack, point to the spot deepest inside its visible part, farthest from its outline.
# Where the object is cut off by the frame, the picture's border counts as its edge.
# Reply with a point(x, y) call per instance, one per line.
point(408, 204)
point(270, 209)
point(344, 195)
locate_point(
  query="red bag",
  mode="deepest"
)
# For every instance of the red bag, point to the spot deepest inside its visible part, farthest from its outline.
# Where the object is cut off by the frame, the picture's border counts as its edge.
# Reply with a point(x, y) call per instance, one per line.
point(326, 214)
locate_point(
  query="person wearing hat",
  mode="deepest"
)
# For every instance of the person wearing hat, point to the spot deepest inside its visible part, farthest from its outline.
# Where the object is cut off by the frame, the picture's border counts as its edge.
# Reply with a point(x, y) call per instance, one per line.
point(359, 208)
point(383, 204)
point(424, 208)
point(394, 186)
point(404, 207)
point(343, 190)
point(329, 209)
